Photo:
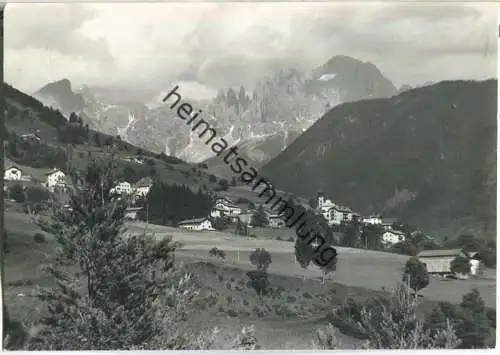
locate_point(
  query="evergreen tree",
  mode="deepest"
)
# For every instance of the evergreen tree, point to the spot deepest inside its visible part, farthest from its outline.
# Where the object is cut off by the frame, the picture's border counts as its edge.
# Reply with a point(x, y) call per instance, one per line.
point(241, 228)
point(468, 242)
point(371, 237)
point(223, 184)
point(304, 253)
point(261, 258)
point(415, 273)
point(473, 325)
point(312, 224)
point(109, 285)
point(259, 218)
point(350, 236)
point(170, 204)
point(259, 279)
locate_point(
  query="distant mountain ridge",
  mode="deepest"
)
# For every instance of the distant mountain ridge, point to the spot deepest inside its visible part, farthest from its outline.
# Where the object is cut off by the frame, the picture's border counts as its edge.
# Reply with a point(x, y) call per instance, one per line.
point(279, 109)
point(426, 156)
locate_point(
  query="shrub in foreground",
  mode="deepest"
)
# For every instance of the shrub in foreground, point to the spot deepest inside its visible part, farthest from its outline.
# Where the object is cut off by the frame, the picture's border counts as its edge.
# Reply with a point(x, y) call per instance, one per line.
point(393, 324)
point(39, 238)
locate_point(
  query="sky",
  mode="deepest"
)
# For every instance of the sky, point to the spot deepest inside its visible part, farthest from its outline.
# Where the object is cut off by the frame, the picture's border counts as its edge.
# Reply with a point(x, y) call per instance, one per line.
point(146, 47)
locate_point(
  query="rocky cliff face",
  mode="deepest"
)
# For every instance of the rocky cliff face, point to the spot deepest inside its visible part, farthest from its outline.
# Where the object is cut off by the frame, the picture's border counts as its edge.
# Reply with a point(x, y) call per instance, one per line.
point(263, 122)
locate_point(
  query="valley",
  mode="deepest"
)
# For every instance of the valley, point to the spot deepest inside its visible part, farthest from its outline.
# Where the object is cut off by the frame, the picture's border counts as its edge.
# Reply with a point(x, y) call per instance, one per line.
point(342, 131)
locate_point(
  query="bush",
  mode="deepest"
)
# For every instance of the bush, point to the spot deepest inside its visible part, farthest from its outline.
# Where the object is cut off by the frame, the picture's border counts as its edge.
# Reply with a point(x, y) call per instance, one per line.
point(39, 238)
point(218, 253)
point(291, 299)
point(223, 184)
point(259, 281)
point(16, 192)
point(37, 194)
point(259, 218)
point(391, 323)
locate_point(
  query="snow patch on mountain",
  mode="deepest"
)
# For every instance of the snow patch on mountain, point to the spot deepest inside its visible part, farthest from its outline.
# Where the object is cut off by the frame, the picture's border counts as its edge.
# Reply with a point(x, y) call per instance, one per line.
point(327, 77)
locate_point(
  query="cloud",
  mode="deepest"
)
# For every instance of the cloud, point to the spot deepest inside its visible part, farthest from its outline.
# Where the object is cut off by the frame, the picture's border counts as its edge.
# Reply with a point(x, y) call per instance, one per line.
point(53, 27)
point(149, 46)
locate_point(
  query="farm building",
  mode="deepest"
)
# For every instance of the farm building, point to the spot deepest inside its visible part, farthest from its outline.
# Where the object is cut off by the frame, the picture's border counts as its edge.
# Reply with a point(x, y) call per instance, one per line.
point(55, 178)
point(197, 224)
point(131, 212)
point(373, 219)
point(225, 207)
point(439, 261)
point(393, 236)
point(122, 188)
point(142, 187)
point(12, 173)
point(276, 221)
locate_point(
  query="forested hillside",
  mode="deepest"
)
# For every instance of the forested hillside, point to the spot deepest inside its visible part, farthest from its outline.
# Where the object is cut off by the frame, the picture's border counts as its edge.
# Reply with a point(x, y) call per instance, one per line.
point(426, 156)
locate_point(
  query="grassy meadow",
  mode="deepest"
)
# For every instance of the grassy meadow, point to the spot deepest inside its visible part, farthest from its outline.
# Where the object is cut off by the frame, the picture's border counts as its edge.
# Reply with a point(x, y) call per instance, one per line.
point(287, 319)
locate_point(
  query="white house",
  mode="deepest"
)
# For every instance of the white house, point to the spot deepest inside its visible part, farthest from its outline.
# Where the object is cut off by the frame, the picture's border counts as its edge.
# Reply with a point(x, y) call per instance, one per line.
point(122, 188)
point(131, 212)
point(276, 221)
point(338, 214)
point(12, 173)
point(30, 137)
point(142, 191)
point(372, 220)
point(324, 204)
point(225, 207)
point(197, 224)
point(142, 187)
point(55, 178)
point(392, 237)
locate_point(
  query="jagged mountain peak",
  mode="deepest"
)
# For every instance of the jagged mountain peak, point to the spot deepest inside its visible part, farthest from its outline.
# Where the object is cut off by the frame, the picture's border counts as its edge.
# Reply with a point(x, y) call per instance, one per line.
point(59, 94)
point(63, 84)
point(287, 100)
point(357, 79)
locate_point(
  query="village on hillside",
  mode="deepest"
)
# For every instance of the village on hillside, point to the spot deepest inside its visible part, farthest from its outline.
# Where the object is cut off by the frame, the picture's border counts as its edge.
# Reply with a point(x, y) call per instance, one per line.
point(244, 216)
